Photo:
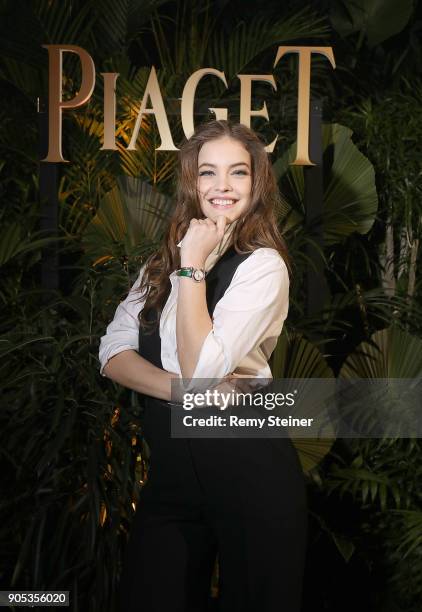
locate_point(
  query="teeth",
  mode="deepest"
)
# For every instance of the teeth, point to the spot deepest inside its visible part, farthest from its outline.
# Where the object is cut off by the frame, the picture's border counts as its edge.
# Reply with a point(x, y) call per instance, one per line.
point(222, 202)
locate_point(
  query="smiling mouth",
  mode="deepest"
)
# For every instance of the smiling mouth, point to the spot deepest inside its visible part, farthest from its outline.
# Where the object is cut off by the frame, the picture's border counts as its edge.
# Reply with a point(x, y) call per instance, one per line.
point(222, 202)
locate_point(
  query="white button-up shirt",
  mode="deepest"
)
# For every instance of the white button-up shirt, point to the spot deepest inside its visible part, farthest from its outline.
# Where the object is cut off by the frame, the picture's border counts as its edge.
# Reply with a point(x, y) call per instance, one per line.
point(246, 322)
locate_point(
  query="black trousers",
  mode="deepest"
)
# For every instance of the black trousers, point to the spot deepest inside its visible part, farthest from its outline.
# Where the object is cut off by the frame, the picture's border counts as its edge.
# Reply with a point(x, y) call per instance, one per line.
point(240, 499)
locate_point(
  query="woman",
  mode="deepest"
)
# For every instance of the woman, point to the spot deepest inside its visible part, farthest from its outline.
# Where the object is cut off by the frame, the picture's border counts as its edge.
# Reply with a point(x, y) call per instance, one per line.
point(211, 304)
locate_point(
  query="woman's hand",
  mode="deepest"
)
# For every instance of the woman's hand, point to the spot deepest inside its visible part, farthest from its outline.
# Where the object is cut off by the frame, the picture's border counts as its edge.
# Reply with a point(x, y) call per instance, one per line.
point(237, 383)
point(201, 238)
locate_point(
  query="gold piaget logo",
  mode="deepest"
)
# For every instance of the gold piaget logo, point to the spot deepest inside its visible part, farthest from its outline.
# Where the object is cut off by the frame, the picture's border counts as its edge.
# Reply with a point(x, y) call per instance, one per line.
point(152, 102)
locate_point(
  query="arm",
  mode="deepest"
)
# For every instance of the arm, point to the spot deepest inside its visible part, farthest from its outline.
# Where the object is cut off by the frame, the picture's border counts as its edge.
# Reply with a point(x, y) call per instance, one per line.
point(118, 354)
point(249, 315)
point(193, 322)
point(122, 334)
point(133, 371)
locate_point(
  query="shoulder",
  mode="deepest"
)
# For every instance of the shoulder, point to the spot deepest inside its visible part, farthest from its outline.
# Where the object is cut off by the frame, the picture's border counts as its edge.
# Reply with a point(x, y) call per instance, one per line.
point(265, 259)
point(261, 281)
point(267, 253)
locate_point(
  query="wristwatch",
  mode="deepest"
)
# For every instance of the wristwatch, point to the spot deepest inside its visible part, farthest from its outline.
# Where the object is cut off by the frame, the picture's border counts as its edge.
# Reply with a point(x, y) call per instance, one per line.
point(196, 274)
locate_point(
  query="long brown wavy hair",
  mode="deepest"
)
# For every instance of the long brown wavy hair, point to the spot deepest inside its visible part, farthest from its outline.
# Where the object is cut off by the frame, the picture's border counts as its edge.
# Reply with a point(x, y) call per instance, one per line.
point(258, 228)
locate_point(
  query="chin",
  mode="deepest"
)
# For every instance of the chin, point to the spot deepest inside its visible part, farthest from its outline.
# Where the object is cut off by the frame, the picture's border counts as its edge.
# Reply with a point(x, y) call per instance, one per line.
point(214, 214)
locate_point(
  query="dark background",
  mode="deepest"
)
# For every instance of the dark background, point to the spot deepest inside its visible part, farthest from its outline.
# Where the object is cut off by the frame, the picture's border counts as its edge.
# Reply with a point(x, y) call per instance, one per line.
point(74, 235)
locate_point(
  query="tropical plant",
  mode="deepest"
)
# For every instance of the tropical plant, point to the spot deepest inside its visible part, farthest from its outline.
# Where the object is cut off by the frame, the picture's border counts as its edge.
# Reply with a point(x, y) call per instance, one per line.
point(128, 224)
point(72, 456)
point(388, 128)
point(384, 473)
point(296, 358)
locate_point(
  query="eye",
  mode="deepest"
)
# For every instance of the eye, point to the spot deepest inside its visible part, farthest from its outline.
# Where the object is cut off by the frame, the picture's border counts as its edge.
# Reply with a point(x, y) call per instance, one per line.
point(241, 172)
point(206, 173)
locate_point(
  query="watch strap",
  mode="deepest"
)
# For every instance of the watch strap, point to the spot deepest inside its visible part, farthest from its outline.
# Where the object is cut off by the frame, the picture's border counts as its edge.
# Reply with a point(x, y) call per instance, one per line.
point(189, 271)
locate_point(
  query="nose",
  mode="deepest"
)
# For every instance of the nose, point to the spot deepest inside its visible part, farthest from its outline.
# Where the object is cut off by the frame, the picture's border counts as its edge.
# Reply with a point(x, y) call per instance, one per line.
point(223, 182)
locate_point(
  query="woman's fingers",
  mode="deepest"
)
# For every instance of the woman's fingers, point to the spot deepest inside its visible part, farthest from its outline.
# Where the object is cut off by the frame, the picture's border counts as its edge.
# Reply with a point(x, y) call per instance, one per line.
point(244, 382)
point(202, 237)
point(225, 388)
point(221, 224)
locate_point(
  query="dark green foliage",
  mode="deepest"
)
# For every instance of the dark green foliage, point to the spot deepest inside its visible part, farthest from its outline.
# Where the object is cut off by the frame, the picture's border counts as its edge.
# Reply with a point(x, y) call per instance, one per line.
point(67, 464)
point(71, 452)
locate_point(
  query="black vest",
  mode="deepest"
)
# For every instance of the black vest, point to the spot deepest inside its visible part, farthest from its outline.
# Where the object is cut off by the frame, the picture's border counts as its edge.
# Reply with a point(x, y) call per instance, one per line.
point(217, 280)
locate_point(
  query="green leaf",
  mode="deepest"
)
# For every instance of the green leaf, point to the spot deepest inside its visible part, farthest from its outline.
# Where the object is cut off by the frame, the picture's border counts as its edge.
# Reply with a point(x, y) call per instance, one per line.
point(350, 196)
point(345, 547)
point(296, 357)
point(391, 353)
point(129, 221)
point(234, 52)
point(377, 19)
point(411, 539)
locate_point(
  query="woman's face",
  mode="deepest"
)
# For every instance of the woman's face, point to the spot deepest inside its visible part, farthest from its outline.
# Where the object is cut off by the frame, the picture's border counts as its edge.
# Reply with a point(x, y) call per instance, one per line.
point(224, 179)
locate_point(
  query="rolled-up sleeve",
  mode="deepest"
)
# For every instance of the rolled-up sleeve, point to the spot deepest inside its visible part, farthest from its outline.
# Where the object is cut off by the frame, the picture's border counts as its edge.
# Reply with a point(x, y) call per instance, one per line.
point(251, 312)
point(122, 333)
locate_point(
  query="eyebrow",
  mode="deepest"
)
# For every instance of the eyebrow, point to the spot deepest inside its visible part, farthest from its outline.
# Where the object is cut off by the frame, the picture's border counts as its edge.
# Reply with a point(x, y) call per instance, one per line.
point(231, 165)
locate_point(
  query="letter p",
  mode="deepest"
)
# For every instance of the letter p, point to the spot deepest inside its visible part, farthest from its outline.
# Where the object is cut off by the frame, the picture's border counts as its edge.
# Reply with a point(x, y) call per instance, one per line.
point(55, 102)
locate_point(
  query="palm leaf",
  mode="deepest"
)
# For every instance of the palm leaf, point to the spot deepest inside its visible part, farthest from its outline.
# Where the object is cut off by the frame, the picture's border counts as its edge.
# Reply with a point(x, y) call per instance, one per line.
point(391, 353)
point(295, 357)
point(387, 403)
point(350, 197)
point(129, 221)
point(12, 243)
point(233, 51)
point(365, 485)
point(378, 19)
point(90, 174)
point(412, 539)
